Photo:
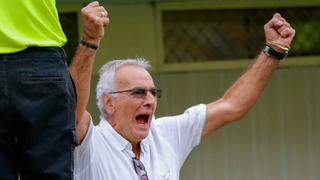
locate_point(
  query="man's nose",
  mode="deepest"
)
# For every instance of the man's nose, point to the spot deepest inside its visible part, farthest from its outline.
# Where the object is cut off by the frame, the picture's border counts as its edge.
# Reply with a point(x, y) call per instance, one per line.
point(150, 99)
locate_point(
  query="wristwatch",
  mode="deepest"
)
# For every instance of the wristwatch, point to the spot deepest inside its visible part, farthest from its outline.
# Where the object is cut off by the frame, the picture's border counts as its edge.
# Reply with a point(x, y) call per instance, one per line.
point(270, 51)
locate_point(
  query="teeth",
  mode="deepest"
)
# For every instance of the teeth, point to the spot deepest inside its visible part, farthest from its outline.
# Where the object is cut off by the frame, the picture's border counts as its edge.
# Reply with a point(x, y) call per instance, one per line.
point(144, 118)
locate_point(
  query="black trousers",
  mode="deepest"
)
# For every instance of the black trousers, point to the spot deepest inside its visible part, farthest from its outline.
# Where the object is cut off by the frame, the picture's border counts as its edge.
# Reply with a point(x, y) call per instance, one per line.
point(37, 115)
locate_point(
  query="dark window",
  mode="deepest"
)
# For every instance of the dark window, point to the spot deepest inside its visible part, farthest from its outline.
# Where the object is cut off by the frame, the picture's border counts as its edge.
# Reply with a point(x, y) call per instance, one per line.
point(230, 34)
point(70, 27)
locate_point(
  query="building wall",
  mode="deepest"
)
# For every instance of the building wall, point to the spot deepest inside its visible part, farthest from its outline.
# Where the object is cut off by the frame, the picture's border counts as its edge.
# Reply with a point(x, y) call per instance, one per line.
point(279, 139)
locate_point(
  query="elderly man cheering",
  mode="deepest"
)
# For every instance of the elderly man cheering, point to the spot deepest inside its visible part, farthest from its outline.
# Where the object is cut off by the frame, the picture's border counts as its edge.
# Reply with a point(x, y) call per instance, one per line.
point(129, 143)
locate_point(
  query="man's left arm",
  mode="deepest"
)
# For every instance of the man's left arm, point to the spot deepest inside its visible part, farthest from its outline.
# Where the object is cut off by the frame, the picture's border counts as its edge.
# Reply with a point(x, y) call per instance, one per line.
point(244, 93)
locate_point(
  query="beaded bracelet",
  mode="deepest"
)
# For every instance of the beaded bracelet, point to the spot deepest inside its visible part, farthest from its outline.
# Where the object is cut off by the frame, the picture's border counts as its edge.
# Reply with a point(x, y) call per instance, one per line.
point(279, 45)
point(88, 45)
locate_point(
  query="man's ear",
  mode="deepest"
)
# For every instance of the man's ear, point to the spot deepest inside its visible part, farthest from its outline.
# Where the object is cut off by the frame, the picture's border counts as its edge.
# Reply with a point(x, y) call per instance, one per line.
point(108, 103)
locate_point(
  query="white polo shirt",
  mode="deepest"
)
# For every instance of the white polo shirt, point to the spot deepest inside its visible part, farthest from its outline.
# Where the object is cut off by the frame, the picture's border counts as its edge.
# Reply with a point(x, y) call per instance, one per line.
point(106, 155)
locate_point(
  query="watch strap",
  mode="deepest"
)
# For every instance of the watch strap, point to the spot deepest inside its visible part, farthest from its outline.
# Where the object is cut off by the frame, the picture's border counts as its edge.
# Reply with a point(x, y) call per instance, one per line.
point(270, 51)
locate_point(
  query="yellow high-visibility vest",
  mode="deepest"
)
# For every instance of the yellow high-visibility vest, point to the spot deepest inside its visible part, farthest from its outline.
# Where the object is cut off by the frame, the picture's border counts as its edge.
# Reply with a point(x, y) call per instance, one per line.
point(25, 23)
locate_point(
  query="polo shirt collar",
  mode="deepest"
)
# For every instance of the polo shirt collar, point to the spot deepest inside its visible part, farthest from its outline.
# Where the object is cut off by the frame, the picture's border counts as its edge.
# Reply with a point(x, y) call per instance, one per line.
point(117, 140)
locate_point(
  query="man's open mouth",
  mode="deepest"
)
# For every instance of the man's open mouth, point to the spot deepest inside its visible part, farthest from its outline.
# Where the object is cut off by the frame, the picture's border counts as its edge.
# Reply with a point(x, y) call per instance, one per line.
point(142, 118)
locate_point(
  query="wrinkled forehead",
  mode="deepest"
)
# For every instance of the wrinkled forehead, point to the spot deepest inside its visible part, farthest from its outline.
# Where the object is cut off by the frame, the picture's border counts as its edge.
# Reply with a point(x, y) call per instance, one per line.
point(130, 76)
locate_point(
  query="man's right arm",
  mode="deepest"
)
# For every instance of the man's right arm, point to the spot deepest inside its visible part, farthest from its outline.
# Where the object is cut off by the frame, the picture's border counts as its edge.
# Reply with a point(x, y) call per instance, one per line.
point(94, 19)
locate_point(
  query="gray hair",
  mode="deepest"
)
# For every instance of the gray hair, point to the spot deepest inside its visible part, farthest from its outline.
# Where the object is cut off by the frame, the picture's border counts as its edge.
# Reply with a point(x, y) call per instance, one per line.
point(107, 78)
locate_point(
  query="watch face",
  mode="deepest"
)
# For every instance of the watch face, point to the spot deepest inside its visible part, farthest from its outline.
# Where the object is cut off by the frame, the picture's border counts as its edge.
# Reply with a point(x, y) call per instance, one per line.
point(266, 50)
